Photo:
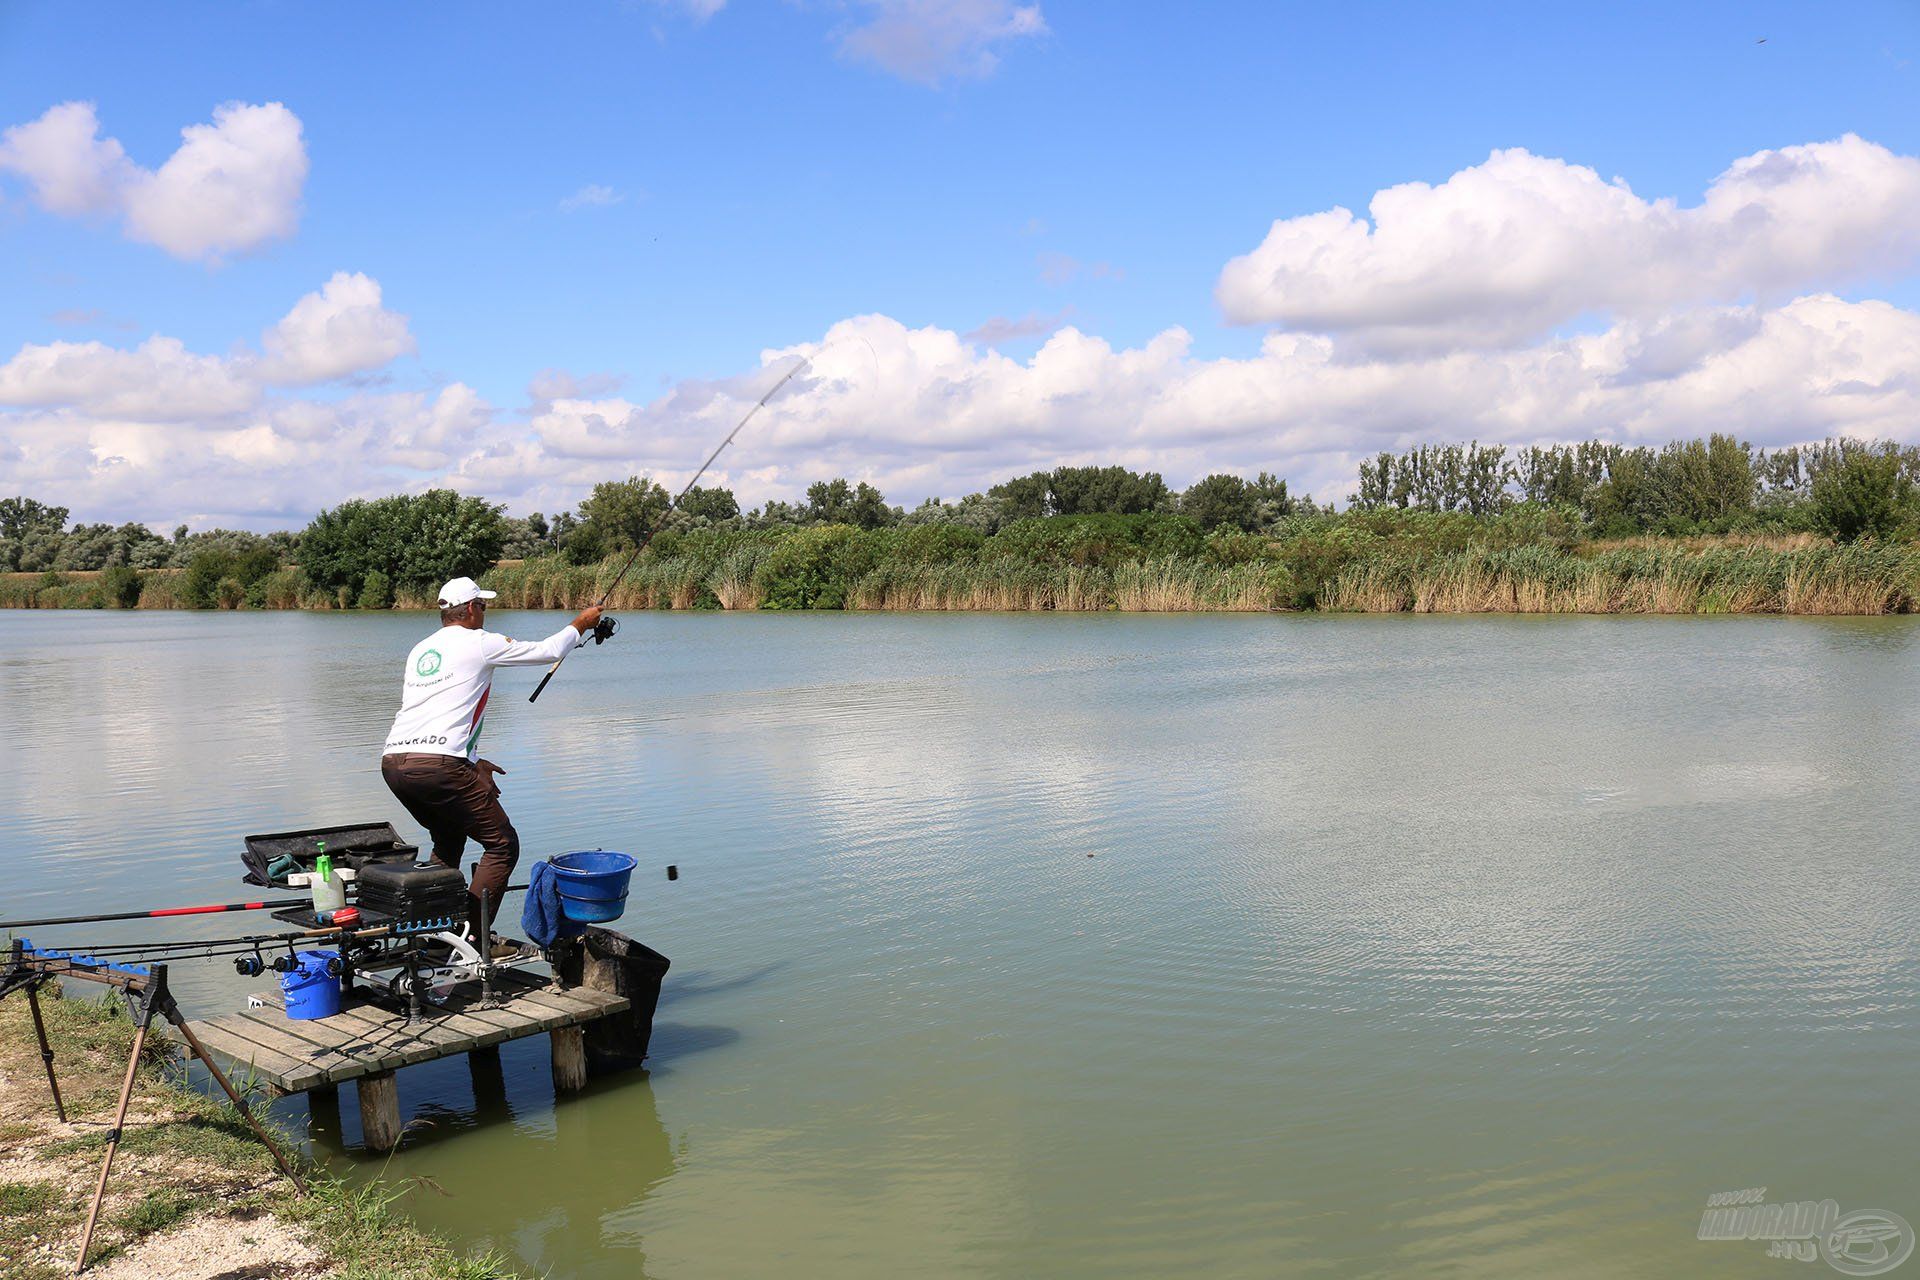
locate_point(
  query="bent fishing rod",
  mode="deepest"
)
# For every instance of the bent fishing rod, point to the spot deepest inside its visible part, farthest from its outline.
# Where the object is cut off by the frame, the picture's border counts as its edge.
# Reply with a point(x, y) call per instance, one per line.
point(598, 635)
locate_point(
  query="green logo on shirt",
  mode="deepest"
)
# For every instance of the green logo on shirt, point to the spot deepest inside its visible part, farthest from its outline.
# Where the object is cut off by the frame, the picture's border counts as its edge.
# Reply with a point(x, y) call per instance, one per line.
point(429, 662)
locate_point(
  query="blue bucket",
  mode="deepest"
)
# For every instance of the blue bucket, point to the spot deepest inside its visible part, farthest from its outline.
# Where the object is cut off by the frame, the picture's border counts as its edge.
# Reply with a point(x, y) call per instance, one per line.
point(592, 886)
point(310, 991)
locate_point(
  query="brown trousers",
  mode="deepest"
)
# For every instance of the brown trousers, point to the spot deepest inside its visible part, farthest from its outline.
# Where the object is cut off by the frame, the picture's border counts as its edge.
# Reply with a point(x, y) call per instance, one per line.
point(454, 799)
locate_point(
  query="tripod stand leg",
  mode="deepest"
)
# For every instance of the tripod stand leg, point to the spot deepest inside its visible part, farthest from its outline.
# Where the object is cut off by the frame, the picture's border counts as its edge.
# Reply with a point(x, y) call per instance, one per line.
point(240, 1103)
point(113, 1134)
point(46, 1051)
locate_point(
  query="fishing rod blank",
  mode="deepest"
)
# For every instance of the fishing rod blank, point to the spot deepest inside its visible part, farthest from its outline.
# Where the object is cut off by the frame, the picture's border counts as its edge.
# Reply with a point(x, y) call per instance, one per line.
point(662, 517)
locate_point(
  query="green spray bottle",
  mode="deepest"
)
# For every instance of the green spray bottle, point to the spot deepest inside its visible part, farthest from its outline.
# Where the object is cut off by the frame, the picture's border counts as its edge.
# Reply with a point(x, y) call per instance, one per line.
point(329, 890)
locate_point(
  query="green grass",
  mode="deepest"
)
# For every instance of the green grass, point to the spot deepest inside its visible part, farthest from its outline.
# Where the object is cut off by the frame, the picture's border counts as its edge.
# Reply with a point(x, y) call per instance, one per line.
point(160, 1209)
point(27, 1199)
point(373, 1240)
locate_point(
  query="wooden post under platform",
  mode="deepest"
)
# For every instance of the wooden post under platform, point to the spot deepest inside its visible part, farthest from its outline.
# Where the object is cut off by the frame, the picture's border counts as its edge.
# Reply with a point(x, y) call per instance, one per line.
point(569, 1059)
point(380, 1110)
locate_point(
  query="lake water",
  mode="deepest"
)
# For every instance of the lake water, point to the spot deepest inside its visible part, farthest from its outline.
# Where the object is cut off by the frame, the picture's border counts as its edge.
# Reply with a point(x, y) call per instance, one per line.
point(1013, 946)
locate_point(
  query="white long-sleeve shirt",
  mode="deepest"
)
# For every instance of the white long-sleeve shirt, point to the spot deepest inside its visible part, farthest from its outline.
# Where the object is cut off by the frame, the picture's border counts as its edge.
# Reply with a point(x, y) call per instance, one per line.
point(449, 675)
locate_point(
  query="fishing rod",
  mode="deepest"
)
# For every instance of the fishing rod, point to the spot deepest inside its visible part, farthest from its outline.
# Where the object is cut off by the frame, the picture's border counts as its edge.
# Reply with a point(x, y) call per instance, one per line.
point(600, 636)
point(159, 913)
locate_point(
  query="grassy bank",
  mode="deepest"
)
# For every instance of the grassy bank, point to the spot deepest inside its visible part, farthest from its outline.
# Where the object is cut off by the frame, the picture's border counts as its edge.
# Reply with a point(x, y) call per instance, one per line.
point(1521, 561)
point(193, 1193)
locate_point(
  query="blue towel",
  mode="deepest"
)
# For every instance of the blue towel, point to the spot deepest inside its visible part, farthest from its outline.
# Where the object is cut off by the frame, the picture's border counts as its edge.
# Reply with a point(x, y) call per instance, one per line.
point(541, 919)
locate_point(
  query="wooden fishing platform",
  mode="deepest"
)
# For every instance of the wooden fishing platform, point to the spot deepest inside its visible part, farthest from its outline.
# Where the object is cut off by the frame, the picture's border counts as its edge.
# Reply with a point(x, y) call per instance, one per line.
point(607, 987)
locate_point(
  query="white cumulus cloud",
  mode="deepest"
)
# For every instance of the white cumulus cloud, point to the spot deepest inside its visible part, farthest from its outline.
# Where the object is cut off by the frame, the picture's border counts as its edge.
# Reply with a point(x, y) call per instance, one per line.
point(231, 186)
point(342, 329)
point(71, 168)
point(1503, 252)
point(158, 381)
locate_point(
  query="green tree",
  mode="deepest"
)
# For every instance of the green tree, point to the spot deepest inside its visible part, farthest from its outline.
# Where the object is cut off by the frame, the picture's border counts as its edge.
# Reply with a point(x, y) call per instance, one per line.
point(120, 587)
point(417, 540)
point(1085, 491)
point(376, 592)
point(839, 502)
point(202, 586)
point(615, 517)
point(1271, 504)
point(815, 567)
point(22, 517)
point(710, 504)
point(1221, 499)
point(1693, 484)
point(1024, 497)
point(1864, 493)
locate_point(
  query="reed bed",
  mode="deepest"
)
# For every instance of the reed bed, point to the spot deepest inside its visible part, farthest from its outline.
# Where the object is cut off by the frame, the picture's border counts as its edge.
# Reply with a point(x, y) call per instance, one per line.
point(1805, 578)
point(997, 586)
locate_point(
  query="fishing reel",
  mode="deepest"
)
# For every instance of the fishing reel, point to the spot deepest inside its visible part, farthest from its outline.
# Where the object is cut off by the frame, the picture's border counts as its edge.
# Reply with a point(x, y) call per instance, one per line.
point(254, 965)
point(603, 630)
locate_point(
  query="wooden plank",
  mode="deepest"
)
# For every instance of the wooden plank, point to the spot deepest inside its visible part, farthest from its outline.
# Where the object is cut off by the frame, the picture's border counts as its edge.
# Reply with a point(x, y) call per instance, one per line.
point(387, 1043)
point(325, 1053)
point(514, 1023)
point(312, 1033)
point(442, 1030)
point(431, 1037)
point(279, 1034)
point(581, 1004)
point(285, 1073)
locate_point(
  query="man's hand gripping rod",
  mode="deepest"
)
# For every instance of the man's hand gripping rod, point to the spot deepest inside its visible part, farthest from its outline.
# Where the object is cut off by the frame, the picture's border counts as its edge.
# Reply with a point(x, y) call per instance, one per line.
point(655, 528)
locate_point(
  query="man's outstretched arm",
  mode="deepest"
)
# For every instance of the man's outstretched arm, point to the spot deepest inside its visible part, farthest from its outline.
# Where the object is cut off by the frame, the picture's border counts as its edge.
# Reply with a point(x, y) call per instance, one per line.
point(538, 653)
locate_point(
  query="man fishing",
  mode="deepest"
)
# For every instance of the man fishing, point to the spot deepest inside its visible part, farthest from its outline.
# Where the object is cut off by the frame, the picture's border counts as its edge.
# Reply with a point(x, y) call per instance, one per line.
point(432, 758)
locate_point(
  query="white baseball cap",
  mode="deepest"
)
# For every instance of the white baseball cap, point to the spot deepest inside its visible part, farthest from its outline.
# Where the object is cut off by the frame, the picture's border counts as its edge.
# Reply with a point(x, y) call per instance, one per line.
point(461, 590)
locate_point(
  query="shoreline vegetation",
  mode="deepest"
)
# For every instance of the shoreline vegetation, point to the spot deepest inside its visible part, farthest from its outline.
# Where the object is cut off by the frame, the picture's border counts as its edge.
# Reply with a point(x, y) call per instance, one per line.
point(191, 1185)
point(1697, 527)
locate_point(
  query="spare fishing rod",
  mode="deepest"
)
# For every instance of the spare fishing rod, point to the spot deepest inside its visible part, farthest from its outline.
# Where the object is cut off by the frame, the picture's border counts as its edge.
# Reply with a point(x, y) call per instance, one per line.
point(603, 631)
point(157, 914)
point(163, 913)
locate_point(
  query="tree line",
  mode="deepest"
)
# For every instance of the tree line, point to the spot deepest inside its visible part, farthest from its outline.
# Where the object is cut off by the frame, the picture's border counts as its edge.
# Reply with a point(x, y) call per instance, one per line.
point(368, 553)
point(1847, 489)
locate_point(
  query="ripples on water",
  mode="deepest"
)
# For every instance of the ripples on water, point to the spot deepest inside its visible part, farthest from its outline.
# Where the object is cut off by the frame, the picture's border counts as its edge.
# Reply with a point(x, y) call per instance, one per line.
point(1406, 945)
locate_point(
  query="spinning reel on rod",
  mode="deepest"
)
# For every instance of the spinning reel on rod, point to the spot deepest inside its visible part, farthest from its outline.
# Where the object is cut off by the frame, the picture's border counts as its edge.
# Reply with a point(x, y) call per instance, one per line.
point(604, 630)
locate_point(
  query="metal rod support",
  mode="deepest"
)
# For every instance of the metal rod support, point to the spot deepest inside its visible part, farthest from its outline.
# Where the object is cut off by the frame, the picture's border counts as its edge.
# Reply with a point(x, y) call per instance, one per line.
point(113, 1134)
point(46, 1051)
point(240, 1103)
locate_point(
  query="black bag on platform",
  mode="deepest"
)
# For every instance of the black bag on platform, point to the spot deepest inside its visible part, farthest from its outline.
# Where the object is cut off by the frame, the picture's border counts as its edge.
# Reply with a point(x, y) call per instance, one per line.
point(271, 858)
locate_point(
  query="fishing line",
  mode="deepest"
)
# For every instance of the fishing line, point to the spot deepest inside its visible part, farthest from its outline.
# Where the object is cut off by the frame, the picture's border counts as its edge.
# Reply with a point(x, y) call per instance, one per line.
point(600, 636)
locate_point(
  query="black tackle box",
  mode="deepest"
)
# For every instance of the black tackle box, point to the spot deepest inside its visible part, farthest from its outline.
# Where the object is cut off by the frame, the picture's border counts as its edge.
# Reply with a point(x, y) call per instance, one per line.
point(410, 893)
point(272, 857)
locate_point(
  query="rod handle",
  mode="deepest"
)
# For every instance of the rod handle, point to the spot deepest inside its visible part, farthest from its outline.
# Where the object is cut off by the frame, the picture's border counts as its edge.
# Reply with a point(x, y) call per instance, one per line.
point(535, 695)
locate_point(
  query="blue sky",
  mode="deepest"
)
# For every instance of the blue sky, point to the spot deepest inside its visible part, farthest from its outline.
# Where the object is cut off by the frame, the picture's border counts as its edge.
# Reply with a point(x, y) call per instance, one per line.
point(768, 180)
